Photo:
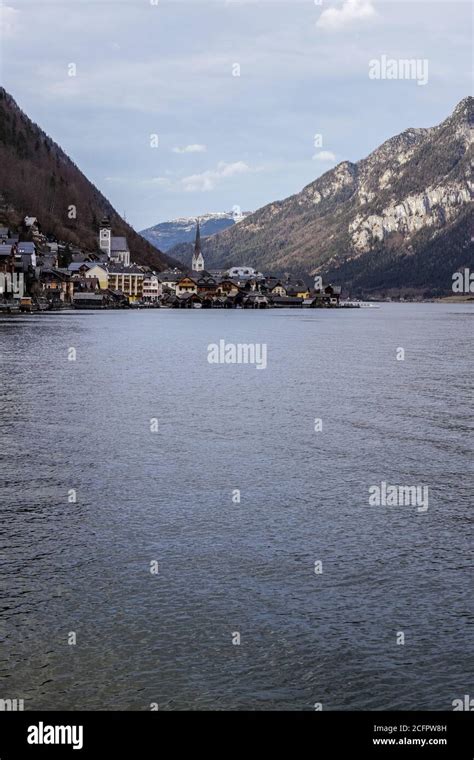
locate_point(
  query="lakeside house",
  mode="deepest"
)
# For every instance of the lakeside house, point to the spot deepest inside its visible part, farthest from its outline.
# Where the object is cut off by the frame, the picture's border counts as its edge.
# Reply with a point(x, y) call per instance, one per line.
point(128, 279)
point(90, 300)
point(152, 289)
point(169, 278)
point(327, 296)
point(90, 269)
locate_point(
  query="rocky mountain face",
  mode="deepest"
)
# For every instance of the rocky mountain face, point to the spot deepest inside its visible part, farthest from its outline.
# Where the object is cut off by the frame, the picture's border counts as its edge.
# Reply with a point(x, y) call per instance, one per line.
point(38, 179)
point(183, 230)
point(399, 218)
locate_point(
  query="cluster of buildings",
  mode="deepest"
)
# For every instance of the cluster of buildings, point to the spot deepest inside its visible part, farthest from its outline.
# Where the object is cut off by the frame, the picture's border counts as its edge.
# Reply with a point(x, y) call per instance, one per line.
point(58, 275)
point(55, 274)
point(238, 287)
point(17, 259)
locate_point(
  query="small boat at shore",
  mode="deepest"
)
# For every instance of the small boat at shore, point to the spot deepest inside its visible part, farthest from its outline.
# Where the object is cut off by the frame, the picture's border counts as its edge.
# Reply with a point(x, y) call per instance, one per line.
point(358, 305)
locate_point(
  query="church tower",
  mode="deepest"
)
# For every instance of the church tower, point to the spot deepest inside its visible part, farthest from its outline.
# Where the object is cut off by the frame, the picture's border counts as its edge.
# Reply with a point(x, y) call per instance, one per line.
point(198, 260)
point(105, 236)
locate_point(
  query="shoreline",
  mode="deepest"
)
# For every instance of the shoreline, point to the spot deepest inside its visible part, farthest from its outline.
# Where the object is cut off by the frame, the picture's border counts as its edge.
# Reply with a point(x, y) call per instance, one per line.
point(365, 305)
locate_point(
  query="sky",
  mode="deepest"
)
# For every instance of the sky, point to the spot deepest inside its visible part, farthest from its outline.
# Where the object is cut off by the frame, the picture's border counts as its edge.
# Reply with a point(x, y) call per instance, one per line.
point(182, 108)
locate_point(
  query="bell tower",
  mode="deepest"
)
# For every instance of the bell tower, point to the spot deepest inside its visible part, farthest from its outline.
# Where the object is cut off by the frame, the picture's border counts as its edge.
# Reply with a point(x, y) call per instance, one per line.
point(105, 236)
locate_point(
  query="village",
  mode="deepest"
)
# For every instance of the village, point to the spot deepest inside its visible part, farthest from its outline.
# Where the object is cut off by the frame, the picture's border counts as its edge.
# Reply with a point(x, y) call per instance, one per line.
point(39, 274)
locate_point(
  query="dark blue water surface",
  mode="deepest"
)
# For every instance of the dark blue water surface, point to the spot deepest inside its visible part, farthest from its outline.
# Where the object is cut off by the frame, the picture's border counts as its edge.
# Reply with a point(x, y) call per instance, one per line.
point(225, 568)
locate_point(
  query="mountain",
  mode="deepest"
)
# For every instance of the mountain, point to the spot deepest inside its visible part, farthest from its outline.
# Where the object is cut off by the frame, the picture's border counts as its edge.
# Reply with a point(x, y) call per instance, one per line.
point(400, 218)
point(37, 178)
point(183, 230)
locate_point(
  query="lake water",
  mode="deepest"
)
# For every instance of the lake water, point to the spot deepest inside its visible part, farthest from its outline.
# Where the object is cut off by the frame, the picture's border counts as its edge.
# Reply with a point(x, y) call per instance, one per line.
point(84, 568)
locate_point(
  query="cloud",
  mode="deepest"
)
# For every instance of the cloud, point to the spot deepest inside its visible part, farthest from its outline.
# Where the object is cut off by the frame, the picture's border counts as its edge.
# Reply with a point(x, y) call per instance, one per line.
point(191, 149)
point(202, 182)
point(324, 155)
point(8, 21)
point(350, 11)
point(211, 177)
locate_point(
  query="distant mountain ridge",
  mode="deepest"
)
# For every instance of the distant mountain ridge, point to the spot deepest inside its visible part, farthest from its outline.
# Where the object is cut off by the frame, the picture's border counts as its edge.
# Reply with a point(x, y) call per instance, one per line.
point(165, 235)
point(399, 218)
point(37, 178)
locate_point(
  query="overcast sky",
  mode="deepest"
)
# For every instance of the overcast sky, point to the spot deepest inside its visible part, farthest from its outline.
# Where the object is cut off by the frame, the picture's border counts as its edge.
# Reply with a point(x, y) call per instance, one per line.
point(148, 67)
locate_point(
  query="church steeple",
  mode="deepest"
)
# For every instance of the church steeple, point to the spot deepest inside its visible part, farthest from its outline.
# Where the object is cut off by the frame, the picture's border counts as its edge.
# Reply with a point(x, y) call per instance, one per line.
point(197, 243)
point(198, 260)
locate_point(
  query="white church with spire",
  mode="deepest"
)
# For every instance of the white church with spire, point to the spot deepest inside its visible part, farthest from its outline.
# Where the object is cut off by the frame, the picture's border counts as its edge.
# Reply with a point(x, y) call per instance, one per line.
point(198, 259)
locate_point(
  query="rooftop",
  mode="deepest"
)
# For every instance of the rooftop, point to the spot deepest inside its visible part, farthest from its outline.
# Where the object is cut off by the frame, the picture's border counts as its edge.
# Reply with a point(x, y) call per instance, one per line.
point(88, 296)
point(26, 247)
point(119, 244)
point(122, 269)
